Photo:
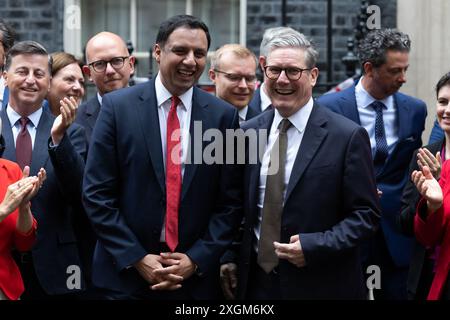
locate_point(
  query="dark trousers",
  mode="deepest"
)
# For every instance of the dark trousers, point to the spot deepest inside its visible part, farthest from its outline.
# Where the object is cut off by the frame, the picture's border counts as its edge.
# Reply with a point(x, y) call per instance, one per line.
point(393, 278)
point(262, 286)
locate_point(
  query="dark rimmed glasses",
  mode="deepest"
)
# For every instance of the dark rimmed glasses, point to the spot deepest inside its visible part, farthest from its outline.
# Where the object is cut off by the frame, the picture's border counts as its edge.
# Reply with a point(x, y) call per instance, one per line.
point(292, 73)
point(116, 62)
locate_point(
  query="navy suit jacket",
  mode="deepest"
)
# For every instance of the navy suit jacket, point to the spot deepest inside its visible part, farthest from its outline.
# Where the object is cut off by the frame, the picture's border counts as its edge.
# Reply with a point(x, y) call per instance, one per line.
point(87, 115)
point(392, 177)
point(56, 247)
point(254, 106)
point(331, 203)
point(124, 191)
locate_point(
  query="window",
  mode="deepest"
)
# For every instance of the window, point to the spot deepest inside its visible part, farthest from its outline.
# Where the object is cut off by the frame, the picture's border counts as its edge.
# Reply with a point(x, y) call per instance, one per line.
point(139, 20)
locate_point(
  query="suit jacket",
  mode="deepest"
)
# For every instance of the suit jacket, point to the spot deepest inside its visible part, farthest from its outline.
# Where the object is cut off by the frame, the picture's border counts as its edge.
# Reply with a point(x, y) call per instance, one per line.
point(10, 279)
point(330, 202)
point(434, 230)
point(125, 198)
point(410, 200)
point(392, 177)
point(254, 106)
point(87, 115)
point(56, 246)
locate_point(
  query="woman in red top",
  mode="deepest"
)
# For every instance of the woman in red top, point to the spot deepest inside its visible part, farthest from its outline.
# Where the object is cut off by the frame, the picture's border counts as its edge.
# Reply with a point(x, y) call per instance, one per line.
point(17, 225)
point(431, 224)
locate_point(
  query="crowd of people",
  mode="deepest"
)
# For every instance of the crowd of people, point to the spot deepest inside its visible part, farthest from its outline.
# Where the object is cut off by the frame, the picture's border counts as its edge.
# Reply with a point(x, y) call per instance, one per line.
point(107, 198)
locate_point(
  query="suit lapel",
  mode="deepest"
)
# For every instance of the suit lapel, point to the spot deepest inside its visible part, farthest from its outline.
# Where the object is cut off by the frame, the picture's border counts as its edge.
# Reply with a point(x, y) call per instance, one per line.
point(10, 149)
point(198, 113)
point(147, 109)
point(402, 116)
point(312, 139)
point(40, 150)
point(264, 123)
point(347, 104)
point(92, 110)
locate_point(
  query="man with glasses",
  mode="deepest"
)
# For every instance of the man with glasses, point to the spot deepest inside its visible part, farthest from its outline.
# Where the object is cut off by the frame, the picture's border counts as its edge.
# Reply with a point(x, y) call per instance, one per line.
point(233, 71)
point(394, 122)
point(109, 67)
point(311, 200)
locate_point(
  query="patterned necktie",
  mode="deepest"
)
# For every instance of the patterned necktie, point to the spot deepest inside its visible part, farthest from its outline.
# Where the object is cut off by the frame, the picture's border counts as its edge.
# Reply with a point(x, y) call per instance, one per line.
point(23, 144)
point(382, 150)
point(273, 202)
point(173, 175)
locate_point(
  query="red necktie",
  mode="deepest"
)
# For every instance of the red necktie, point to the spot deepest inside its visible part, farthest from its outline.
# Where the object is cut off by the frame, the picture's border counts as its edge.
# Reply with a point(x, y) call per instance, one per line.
point(23, 144)
point(173, 175)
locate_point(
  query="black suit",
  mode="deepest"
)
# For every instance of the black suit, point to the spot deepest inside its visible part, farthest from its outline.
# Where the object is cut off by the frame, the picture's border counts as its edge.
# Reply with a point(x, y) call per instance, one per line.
point(87, 115)
point(419, 276)
point(57, 246)
point(331, 203)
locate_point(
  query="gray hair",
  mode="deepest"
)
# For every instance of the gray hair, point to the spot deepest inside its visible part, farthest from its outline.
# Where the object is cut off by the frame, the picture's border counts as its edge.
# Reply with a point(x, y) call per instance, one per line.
point(374, 46)
point(27, 47)
point(282, 37)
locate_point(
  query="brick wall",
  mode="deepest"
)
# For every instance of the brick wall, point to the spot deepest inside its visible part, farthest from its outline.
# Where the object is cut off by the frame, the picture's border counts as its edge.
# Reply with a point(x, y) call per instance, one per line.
point(38, 20)
point(310, 18)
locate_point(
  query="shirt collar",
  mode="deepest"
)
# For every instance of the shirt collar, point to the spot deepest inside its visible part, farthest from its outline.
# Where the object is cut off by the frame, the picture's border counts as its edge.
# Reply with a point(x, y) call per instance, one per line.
point(243, 113)
point(14, 116)
point(99, 98)
point(265, 100)
point(162, 94)
point(299, 119)
point(367, 99)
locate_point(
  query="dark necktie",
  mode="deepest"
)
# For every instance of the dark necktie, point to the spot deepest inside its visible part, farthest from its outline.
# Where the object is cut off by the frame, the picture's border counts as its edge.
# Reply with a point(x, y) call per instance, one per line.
point(381, 148)
point(23, 144)
point(273, 202)
point(173, 175)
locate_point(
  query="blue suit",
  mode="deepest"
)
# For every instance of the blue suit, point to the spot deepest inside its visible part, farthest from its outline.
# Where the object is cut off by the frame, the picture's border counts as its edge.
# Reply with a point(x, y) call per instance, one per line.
point(330, 202)
point(392, 177)
point(125, 198)
point(254, 106)
point(56, 204)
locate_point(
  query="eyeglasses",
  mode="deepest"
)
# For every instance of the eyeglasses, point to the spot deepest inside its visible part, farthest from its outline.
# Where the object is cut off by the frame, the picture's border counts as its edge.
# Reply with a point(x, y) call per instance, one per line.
point(236, 78)
point(100, 65)
point(291, 73)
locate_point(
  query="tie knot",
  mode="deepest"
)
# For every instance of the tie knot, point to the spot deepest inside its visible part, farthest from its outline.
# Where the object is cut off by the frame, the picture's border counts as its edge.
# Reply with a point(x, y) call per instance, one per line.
point(284, 125)
point(24, 121)
point(175, 102)
point(378, 106)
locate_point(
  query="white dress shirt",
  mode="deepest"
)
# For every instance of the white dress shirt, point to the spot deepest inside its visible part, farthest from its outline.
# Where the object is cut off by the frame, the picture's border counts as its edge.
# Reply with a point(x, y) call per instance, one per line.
point(184, 110)
point(243, 114)
point(32, 125)
point(265, 100)
point(295, 135)
point(367, 116)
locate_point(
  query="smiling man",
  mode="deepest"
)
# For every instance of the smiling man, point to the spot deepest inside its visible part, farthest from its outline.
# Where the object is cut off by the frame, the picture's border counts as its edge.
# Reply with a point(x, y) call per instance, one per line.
point(394, 122)
point(305, 222)
point(162, 221)
point(233, 71)
point(109, 67)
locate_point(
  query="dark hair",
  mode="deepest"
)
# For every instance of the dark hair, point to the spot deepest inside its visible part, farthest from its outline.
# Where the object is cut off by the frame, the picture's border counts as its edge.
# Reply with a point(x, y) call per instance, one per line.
point(27, 47)
point(443, 81)
point(7, 35)
point(61, 60)
point(374, 46)
point(183, 20)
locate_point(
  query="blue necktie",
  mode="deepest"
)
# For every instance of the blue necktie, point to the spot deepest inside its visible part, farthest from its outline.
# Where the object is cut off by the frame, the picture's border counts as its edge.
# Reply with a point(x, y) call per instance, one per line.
point(381, 149)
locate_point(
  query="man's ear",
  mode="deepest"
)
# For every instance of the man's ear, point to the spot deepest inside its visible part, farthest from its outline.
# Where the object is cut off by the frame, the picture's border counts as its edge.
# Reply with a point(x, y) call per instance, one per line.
point(262, 62)
point(212, 75)
point(87, 72)
point(157, 52)
point(368, 69)
point(5, 77)
point(132, 61)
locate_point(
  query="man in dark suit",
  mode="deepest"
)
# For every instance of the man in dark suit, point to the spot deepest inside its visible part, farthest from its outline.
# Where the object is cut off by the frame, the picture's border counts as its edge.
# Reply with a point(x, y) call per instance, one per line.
point(311, 200)
point(109, 67)
point(34, 137)
point(395, 123)
point(162, 220)
point(233, 71)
